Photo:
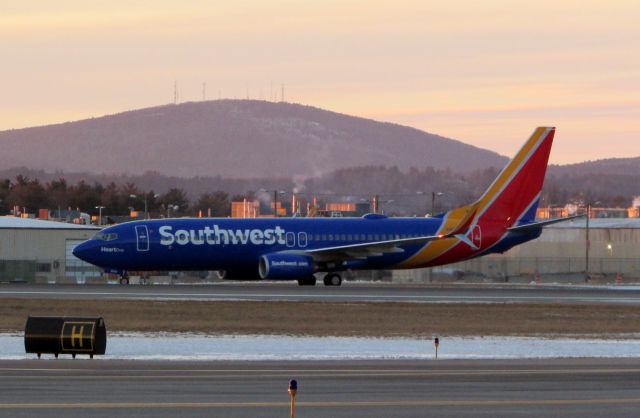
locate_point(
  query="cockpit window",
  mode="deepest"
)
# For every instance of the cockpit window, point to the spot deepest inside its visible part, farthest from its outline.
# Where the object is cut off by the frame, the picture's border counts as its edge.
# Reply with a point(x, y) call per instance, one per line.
point(102, 236)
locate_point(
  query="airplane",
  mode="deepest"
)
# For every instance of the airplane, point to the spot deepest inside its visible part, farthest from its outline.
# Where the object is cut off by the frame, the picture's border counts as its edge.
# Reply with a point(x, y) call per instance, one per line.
point(299, 248)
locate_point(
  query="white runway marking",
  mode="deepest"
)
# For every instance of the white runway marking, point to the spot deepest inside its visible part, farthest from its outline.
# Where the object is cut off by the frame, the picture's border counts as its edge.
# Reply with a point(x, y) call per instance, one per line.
point(320, 296)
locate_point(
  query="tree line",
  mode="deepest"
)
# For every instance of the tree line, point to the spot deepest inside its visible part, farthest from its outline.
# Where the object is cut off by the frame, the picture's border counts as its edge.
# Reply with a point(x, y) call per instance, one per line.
point(29, 195)
point(400, 192)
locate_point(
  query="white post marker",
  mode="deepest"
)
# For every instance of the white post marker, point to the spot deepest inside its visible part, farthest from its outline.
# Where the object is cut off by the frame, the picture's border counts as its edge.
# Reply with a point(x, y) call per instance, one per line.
point(436, 343)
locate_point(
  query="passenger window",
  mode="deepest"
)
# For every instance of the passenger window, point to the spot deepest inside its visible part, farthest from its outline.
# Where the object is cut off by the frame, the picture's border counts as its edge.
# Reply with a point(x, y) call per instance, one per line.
point(343, 237)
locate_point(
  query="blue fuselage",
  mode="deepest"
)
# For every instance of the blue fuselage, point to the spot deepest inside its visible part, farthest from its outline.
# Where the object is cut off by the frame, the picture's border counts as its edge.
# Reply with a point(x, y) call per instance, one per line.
point(237, 244)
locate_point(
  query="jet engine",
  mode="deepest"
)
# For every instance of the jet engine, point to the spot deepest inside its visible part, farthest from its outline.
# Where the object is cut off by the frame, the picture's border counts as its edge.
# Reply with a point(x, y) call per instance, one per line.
point(286, 266)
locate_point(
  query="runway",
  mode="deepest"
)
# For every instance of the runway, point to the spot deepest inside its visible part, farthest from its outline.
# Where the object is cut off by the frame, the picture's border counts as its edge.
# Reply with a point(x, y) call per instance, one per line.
point(80, 388)
point(349, 292)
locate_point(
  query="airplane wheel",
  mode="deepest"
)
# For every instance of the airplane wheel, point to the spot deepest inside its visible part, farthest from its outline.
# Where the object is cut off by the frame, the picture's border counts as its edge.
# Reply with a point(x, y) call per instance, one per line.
point(124, 280)
point(332, 279)
point(336, 280)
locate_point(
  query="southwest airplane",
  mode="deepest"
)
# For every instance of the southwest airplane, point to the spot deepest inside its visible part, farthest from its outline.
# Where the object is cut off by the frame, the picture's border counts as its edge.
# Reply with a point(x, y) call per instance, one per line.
point(298, 248)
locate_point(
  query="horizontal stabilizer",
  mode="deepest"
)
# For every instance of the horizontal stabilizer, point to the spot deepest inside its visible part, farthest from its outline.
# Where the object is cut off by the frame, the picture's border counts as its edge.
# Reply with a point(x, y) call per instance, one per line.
point(541, 224)
point(464, 238)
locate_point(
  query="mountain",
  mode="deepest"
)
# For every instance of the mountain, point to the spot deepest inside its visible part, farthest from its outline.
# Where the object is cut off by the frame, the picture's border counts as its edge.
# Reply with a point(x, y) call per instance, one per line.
point(233, 139)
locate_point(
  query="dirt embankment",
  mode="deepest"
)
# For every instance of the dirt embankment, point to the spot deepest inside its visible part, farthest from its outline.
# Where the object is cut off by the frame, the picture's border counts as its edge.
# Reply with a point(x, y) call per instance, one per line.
point(336, 319)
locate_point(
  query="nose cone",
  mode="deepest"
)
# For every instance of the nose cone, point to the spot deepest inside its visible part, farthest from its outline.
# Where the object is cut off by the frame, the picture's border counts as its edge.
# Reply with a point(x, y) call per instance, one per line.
point(84, 251)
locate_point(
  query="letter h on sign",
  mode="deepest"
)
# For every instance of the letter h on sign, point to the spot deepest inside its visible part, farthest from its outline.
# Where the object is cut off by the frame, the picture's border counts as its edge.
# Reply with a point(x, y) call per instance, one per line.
point(77, 336)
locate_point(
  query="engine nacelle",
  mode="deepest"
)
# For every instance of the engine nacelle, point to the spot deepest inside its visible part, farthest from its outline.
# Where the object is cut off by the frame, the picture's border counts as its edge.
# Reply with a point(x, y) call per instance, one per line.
point(286, 266)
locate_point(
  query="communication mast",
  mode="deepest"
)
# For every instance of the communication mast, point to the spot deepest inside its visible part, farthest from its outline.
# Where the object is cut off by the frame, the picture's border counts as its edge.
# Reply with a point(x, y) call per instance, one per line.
point(175, 92)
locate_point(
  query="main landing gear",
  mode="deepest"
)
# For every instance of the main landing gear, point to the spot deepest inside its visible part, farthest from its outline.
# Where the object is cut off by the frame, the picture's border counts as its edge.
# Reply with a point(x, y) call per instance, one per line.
point(309, 281)
point(124, 279)
point(332, 279)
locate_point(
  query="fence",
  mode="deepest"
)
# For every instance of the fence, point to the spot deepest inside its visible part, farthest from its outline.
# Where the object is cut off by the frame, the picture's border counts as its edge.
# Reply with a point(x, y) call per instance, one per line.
point(510, 268)
point(47, 271)
point(490, 267)
point(80, 272)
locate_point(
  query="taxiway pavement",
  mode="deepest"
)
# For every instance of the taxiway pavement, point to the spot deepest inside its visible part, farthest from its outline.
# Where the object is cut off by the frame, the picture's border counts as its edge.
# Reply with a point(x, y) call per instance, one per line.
point(101, 388)
point(349, 292)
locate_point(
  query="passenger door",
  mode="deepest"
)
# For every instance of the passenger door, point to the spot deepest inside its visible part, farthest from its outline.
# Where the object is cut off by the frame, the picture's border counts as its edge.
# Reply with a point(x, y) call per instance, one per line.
point(142, 238)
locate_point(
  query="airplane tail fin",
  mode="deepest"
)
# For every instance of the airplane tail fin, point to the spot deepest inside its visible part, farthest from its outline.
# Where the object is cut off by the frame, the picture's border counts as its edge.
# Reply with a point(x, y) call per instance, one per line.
point(513, 197)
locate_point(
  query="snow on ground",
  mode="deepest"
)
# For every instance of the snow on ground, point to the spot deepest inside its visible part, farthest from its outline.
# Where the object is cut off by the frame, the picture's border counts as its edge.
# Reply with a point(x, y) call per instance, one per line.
point(137, 346)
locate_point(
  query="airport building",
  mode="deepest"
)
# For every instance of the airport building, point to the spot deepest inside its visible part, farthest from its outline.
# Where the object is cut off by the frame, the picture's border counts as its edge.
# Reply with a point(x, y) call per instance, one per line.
point(560, 253)
point(254, 209)
point(38, 251)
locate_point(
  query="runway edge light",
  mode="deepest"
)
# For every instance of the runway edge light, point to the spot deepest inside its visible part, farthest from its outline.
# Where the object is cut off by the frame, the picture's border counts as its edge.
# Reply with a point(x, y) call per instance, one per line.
point(293, 390)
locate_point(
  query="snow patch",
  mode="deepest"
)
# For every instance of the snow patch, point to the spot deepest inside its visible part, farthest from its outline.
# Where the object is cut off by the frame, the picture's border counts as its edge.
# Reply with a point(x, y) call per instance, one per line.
point(172, 346)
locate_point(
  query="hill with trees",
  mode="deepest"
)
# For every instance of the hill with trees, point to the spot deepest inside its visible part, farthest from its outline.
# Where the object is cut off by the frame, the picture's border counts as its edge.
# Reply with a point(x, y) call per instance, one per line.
point(233, 139)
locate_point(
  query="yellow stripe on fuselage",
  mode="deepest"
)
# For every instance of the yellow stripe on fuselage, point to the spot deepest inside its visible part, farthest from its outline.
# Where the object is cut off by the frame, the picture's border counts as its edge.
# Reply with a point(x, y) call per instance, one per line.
point(454, 220)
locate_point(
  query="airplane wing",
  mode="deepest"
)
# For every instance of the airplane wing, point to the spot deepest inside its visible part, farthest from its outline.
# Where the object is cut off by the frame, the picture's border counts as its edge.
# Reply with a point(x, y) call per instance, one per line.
point(540, 224)
point(368, 249)
point(372, 249)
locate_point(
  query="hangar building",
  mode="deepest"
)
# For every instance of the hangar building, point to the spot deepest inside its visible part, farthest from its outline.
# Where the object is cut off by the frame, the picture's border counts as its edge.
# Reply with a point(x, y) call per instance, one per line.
point(39, 251)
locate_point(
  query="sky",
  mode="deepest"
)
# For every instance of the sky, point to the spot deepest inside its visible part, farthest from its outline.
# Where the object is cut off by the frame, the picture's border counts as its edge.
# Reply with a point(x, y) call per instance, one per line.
point(486, 73)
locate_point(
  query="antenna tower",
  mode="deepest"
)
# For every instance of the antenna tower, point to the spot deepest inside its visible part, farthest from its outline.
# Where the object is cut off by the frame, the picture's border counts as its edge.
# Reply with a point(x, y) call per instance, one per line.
point(175, 92)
